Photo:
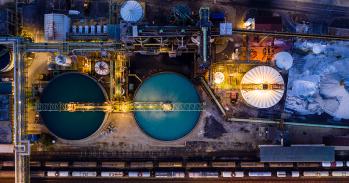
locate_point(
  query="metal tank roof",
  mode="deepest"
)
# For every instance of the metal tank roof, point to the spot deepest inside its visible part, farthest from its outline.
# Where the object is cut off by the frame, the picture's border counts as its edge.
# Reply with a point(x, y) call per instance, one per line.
point(131, 11)
point(102, 68)
point(262, 87)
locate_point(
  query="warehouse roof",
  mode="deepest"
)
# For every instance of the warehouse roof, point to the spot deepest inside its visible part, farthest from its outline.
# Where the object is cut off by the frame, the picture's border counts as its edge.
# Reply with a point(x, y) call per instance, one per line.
point(302, 153)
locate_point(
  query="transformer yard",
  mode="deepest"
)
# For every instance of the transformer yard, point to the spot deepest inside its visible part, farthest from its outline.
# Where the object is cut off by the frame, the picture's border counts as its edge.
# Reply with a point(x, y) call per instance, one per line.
point(152, 90)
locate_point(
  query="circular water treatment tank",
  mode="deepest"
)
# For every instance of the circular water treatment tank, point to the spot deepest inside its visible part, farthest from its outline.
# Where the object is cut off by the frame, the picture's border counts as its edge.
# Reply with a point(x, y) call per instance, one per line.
point(171, 88)
point(5, 59)
point(73, 87)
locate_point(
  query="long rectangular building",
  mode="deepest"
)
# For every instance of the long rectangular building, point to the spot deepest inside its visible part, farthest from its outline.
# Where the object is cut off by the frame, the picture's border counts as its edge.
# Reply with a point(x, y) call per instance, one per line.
point(301, 153)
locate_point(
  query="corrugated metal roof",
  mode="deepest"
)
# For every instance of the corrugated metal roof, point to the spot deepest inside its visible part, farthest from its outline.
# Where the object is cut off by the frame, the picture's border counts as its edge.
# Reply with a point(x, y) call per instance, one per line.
point(296, 153)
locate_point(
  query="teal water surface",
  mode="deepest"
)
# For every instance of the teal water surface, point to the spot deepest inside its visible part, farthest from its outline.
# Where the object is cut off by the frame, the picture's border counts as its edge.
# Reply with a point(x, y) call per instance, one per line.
point(73, 87)
point(167, 87)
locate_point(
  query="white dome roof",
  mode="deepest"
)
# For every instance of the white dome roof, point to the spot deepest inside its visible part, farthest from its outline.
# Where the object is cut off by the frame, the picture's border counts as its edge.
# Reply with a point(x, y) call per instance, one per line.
point(283, 60)
point(262, 87)
point(131, 11)
point(102, 68)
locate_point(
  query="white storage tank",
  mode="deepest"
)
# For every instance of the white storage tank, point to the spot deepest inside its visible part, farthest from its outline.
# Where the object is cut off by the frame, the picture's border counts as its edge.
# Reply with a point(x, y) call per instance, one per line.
point(99, 29)
point(56, 27)
point(74, 29)
point(86, 30)
point(93, 29)
point(80, 29)
point(105, 29)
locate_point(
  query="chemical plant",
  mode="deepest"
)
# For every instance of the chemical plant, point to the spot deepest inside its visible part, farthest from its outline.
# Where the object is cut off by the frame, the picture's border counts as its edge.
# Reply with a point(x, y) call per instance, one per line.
point(157, 91)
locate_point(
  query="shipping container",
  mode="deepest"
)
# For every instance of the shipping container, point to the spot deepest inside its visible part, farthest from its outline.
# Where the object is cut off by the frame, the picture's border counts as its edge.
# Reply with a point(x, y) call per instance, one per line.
point(112, 174)
point(37, 174)
point(316, 173)
point(308, 165)
point(328, 164)
point(259, 174)
point(281, 165)
point(35, 164)
point(340, 173)
point(113, 164)
point(169, 174)
point(84, 174)
point(56, 164)
point(196, 164)
point(223, 164)
point(251, 165)
point(84, 164)
point(204, 174)
point(147, 164)
point(138, 174)
point(170, 164)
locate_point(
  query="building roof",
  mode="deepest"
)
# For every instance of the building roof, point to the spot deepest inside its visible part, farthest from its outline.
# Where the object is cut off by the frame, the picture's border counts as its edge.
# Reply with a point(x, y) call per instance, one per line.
point(303, 153)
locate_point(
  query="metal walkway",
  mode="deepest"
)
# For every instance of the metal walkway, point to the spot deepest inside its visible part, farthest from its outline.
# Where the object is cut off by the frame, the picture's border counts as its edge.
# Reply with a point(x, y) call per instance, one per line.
point(119, 107)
